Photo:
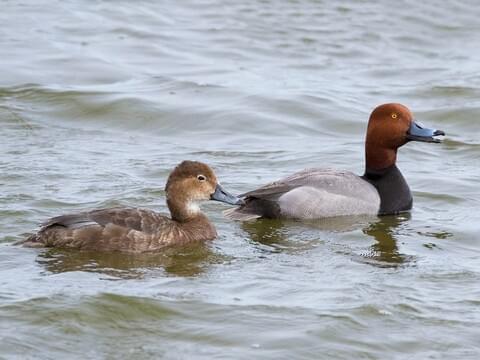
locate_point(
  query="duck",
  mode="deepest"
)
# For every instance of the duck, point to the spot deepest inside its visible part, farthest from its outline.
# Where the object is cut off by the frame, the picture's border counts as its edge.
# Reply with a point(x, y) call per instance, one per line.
point(136, 230)
point(317, 193)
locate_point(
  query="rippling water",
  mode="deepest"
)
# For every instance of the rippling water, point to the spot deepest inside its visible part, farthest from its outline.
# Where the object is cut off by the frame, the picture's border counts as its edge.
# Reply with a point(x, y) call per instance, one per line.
point(100, 99)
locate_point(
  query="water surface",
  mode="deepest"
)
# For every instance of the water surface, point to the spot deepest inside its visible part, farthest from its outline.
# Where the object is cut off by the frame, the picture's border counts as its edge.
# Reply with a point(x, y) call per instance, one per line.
point(99, 100)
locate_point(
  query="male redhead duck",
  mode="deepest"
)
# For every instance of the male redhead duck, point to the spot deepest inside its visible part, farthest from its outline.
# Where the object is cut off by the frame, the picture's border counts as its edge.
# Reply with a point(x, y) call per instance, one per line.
point(139, 230)
point(321, 193)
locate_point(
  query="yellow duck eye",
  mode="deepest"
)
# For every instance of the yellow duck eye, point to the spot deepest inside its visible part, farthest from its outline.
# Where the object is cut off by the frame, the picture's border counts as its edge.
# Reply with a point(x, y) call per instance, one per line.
point(394, 116)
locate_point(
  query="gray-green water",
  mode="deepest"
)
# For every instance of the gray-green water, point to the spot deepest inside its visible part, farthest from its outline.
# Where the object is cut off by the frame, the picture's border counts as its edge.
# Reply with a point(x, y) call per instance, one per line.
point(100, 99)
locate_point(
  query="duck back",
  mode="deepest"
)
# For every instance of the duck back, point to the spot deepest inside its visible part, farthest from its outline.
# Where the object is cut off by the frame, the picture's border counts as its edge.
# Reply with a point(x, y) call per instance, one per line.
point(310, 194)
point(119, 229)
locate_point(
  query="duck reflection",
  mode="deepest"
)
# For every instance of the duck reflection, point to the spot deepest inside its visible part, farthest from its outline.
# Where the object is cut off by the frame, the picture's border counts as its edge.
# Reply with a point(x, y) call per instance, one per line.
point(266, 231)
point(385, 250)
point(190, 261)
point(282, 235)
point(273, 235)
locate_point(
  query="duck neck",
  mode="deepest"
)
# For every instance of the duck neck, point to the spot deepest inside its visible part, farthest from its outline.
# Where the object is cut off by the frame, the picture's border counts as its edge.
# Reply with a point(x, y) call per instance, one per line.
point(191, 222)
point(183, 210)
point(378, 157)
point(395, 196)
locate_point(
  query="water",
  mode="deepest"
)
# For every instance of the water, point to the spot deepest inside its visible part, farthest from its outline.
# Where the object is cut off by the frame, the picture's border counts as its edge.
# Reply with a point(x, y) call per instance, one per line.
point(99, 100)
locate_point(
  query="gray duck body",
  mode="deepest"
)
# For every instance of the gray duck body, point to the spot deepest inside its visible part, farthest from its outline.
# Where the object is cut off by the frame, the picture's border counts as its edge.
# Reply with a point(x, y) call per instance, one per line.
point(310, 194)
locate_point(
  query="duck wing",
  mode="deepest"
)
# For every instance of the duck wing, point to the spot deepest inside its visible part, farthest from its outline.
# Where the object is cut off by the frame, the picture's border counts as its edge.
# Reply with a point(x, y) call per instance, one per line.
point(319, 178)
point(136, 219)
point(115, 229)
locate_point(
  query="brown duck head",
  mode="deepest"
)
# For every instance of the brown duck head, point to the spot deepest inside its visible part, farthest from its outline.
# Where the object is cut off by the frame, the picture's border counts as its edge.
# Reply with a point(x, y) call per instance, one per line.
point(390, 127)
point(190, 183)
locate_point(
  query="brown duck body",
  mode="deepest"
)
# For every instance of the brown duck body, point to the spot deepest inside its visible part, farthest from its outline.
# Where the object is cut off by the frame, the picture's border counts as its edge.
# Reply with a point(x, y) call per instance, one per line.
point(121, 229)
point(140, 230)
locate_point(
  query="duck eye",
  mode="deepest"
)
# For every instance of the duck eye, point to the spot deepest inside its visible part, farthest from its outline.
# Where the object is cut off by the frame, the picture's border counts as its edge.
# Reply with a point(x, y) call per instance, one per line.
point(394, 116)
point(201, 178)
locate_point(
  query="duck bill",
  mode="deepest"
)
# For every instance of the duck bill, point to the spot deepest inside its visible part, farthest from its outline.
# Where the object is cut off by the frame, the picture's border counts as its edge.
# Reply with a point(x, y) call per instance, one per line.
point(418, 132)
point(222, 195)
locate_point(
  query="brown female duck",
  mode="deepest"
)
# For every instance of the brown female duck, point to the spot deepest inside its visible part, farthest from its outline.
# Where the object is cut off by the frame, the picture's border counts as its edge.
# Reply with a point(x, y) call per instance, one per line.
point(140, 230)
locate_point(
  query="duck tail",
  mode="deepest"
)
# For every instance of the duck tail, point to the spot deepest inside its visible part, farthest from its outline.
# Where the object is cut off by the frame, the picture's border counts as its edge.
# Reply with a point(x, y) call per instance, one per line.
point(31, 241)
point(240, 214)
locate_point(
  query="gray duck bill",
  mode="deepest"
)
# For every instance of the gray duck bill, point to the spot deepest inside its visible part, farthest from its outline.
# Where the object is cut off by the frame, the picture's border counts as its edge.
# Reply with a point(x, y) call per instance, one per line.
point(418, 132)
point(222, 195)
